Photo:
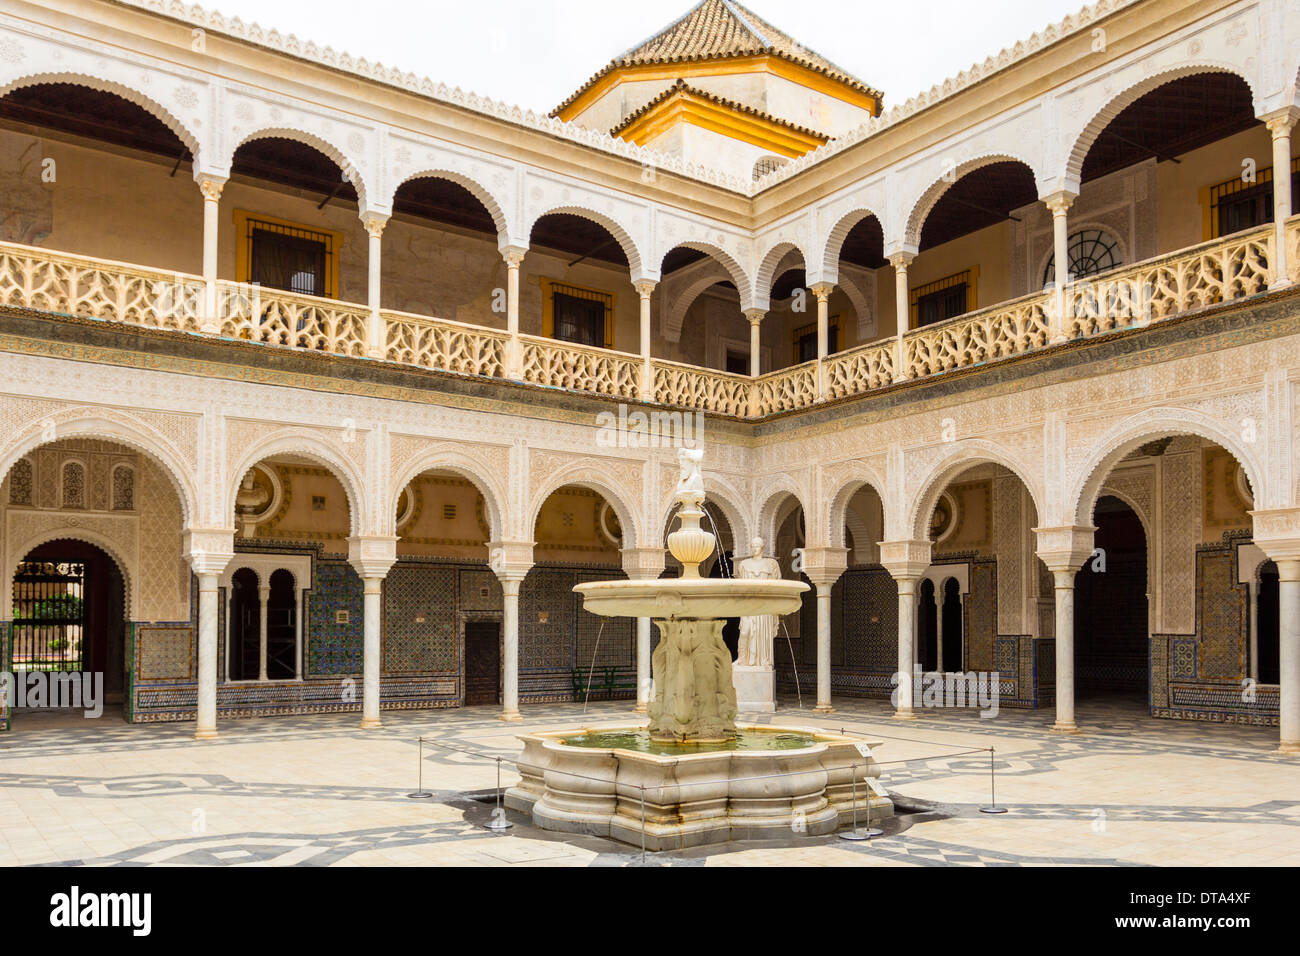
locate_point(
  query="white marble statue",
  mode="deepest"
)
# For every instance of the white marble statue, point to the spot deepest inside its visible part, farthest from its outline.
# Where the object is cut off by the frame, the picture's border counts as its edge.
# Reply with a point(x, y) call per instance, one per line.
point(690, 480)
point(757, 633)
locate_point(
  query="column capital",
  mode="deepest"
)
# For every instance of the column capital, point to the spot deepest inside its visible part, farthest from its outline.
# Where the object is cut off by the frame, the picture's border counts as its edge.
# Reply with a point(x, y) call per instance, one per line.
point(822, 290)
point(901, 258)
point(643, 564)
point(211, 187)
point(755, 316)
point(372, 554)
point(644, 287)
point(208, 550)
point(1064, 549)
point(907, 560)
point(823, 566)
point(513, 255)
point(1276, 532)
point(510, 560)
point(374, 223)
point(1280, 122)
point(1059, 201)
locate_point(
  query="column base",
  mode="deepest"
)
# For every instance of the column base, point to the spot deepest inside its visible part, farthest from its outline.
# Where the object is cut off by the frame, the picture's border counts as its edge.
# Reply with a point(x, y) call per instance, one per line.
point(823, 709)
point(902, 714)
point(1289, 747)
point(510, 715)
point(371, 723)
point(1065, 727)
point(642, 707)
point(1282, 283)
point(205, 735)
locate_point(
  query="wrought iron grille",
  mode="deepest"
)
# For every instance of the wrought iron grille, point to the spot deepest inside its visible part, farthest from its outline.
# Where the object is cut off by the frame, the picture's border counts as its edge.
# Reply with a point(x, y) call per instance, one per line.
point(49, 625)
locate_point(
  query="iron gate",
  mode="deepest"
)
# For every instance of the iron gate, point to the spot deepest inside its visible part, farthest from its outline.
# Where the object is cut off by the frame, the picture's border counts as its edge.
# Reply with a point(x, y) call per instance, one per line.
point(49, 626)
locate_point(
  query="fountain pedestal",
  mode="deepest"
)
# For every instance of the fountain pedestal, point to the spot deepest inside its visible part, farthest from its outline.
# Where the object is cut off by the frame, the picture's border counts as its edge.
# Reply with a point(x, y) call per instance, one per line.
point(755, 688)
point(695, 699)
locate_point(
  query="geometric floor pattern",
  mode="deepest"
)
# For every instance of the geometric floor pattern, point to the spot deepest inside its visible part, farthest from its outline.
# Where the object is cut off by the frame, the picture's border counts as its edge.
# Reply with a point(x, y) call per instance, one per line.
point(319, 791)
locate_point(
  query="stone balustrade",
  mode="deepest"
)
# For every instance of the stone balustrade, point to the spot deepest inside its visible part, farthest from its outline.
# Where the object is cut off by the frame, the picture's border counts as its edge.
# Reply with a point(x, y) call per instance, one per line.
point(448, 346)
point(1208, 274)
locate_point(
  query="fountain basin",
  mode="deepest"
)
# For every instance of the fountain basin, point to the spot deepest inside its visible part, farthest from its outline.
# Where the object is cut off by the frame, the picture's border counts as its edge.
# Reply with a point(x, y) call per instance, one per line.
point(691, 598)
point(696, 793)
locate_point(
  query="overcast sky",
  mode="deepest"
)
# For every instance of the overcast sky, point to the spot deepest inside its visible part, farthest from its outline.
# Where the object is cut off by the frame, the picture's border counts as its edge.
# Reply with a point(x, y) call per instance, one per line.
point(534, 53)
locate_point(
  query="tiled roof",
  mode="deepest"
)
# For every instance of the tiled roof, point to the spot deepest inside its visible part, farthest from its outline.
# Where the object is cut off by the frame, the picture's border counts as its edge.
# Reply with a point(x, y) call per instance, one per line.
point(716, 30)
point(681, 86)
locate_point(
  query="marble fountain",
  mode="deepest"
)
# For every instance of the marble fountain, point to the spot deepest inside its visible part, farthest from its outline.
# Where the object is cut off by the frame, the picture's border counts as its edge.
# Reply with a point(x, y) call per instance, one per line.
point(693, 776)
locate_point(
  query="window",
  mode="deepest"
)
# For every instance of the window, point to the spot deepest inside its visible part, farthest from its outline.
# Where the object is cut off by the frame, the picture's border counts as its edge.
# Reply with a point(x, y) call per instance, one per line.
point(944, 299)
point(805, 341)
point(768, 164)
point(737, 362)
point(1234, 205)
point(278, 254)
point(1091, 251)
point(581, 316)
point(123, 488)
point(74, 485)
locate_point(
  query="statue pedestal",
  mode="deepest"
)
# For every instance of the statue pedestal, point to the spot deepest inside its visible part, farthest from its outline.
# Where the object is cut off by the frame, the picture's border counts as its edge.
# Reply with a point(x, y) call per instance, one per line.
point(755, 688)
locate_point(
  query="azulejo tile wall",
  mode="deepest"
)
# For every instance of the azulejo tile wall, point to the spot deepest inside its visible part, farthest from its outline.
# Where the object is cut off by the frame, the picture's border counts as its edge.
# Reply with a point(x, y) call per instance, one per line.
point(558, 637)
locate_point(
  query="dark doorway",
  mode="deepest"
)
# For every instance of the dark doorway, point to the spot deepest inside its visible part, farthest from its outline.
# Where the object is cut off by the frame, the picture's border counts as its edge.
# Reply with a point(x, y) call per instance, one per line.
point(70, 614)
point(482, 662)
point(952, 627)
point(1266, 635)
point(927, 628)
point(281, 628)
point(245, 626)
point(1110, 607)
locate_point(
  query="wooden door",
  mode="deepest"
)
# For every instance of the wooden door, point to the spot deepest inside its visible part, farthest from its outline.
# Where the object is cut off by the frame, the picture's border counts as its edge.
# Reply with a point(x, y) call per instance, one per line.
point(482, 662)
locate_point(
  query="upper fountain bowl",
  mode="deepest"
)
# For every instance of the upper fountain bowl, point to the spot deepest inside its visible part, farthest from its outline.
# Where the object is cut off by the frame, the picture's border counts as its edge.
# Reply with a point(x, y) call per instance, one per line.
point(692, 598)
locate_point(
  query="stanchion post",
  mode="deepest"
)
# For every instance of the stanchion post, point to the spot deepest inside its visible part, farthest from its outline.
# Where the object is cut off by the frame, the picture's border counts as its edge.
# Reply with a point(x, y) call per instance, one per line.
point(420, 793)
point(993, 792)
point(855, 834)
point(643, 824)
point(498, 821)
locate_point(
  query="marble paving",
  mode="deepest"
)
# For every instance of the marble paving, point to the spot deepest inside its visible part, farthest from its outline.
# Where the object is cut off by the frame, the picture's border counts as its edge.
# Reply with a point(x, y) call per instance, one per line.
point(319, 791)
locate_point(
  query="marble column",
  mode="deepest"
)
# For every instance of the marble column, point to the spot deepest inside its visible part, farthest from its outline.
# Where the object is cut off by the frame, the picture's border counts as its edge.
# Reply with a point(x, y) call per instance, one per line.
point(902, 312)
point(1064, 582)
point(938, 628)
point(645, 288)
point(376, 339)
point(514, 257)
point(371, 652)
point(755, 317)
point(906, 644)
point(1059, 203)
point(263, 602)
point(1288, 635)
point(824, 646)
point(210, 320)
point(1252, 590)
point(822, 290)
point(510, 585)
point(1280, 126)
point(209, 605)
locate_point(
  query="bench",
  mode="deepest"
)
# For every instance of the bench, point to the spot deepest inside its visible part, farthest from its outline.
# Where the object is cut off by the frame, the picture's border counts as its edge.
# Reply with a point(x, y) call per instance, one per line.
point(603, 680)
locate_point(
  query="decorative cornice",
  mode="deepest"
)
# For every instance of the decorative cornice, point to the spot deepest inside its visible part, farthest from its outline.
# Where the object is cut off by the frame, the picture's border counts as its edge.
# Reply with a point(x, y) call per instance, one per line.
point(199, 16)
point(976, 73)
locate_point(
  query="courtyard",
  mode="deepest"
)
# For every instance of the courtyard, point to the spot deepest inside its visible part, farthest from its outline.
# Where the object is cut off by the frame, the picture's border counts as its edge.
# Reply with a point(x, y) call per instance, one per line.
point(318, 791)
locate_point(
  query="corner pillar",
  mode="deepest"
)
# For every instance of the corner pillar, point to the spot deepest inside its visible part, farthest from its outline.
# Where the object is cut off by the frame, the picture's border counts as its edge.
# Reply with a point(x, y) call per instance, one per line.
point(906, 562)
point(1064, 550)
